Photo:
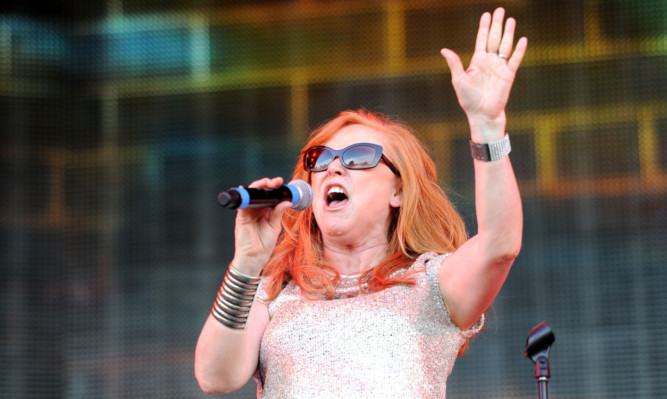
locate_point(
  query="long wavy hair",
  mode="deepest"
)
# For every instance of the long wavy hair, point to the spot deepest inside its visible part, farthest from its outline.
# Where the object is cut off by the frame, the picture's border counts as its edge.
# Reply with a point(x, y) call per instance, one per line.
point(426, 221)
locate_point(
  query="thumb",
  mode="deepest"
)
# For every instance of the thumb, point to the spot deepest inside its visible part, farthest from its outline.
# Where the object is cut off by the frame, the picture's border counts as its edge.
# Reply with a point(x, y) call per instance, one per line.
point(454, 63)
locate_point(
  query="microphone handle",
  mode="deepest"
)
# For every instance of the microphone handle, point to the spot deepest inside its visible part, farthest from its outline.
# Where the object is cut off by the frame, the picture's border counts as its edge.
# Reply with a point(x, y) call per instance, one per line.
point(260, 198)
point(255, 197)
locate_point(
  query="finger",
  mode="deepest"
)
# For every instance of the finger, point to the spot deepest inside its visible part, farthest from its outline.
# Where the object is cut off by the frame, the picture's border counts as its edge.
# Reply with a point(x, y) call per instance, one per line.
point(505, 48)
point(259, 183)
point(519, 51)
point(267, 183)
point(495, 33)
point(277, 212)
point(251, 216)
point(483, 32)
point(454, 63)
point(276, 182)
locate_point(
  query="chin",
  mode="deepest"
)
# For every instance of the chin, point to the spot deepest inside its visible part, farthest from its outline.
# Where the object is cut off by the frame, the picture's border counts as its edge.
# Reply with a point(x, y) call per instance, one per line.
point(333, 231)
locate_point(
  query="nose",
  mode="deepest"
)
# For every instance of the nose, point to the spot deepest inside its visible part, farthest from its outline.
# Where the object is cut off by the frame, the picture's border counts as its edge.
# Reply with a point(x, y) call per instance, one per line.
point(336, 167)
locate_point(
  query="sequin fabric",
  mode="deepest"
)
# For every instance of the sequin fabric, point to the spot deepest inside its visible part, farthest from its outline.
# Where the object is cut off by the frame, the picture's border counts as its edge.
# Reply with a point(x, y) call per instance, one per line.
point(396, 343)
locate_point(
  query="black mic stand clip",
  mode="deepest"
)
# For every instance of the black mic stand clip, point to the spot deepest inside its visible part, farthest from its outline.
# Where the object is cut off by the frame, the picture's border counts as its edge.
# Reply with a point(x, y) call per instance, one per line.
point(538, 344)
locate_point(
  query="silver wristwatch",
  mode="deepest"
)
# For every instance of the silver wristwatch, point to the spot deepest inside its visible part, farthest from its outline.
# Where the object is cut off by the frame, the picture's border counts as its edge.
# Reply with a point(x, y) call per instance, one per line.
point(491, 151)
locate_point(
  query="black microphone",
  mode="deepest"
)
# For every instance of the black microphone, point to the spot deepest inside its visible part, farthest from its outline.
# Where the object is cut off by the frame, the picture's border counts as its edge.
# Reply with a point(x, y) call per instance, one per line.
point(297, 191)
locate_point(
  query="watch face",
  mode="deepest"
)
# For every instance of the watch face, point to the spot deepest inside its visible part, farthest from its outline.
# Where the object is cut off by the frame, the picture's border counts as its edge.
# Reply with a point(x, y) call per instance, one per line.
point(492, 151)
point(480, 151)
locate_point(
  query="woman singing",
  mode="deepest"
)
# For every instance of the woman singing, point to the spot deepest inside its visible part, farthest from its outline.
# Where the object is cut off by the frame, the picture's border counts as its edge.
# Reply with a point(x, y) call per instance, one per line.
point(374, 290)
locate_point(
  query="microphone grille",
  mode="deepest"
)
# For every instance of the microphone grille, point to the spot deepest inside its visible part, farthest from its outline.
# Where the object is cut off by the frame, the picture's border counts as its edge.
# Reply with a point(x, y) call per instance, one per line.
point(306, 194)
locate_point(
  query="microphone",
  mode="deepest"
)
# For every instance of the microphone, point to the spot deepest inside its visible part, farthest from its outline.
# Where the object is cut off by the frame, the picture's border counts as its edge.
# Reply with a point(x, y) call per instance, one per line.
point(297, 191)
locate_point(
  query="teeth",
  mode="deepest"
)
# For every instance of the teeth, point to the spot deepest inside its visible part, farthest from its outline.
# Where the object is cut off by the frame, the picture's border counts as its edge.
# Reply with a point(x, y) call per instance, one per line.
point(335, 189)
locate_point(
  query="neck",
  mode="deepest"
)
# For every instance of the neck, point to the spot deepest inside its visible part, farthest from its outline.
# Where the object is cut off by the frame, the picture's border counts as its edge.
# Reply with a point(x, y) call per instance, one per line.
point(355, 259)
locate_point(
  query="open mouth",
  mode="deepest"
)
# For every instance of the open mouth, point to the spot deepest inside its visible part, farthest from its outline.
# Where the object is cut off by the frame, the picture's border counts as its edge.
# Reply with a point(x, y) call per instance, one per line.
point(336, 197)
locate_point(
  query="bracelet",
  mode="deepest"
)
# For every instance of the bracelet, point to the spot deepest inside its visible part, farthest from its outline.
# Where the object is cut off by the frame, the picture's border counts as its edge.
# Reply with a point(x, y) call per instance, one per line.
point(491, 151)
point(235, 298)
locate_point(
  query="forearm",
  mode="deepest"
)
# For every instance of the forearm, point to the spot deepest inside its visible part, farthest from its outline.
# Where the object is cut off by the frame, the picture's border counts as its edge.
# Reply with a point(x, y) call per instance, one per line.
point(226, 358)
point(497, 199)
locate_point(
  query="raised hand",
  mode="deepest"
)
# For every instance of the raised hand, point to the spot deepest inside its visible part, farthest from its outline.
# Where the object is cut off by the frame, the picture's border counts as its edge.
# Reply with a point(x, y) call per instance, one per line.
point(483, 89)
point(256, 231)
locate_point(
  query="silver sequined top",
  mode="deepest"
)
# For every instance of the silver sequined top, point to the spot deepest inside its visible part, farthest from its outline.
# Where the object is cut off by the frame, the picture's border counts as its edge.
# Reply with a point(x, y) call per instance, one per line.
point(396, 343)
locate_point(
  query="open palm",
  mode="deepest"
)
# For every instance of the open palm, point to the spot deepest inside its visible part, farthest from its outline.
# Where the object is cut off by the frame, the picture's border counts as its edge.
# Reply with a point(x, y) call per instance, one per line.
point(483, 89)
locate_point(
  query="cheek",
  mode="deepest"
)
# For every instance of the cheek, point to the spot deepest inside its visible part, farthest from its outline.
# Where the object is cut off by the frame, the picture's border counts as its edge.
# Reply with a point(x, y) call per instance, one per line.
point(316, 183)
point(373, 199)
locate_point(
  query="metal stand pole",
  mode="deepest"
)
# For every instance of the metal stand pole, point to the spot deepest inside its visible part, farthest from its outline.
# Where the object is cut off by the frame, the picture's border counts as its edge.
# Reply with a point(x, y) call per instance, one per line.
point(542, 376)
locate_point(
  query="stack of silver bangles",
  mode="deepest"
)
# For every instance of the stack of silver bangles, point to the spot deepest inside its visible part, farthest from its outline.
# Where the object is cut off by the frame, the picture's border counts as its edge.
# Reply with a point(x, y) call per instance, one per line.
point(234, 300)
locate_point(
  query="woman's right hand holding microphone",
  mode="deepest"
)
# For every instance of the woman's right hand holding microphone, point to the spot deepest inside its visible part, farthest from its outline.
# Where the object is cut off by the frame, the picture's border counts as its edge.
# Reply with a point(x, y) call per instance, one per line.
point(256, 231)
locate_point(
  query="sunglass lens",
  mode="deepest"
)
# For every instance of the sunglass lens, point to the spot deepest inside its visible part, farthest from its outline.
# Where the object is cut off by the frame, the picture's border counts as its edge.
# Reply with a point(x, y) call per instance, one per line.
point(319, 159)
point(359, 157)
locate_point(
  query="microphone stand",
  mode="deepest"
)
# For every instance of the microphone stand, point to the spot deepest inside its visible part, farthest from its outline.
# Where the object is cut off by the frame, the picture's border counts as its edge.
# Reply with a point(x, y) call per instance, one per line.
point(538, 344)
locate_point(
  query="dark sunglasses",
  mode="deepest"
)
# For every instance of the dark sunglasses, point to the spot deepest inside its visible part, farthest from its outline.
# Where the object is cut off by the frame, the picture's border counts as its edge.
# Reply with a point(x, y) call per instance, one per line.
point(355, 156)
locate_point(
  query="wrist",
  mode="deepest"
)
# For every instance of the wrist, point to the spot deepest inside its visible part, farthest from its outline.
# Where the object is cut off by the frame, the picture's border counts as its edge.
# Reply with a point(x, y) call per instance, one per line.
point(235, 298)
point(486, 130)
point(248, 266)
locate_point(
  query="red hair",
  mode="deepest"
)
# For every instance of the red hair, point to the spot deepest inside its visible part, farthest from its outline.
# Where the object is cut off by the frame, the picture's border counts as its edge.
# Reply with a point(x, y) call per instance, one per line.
point(426, 220)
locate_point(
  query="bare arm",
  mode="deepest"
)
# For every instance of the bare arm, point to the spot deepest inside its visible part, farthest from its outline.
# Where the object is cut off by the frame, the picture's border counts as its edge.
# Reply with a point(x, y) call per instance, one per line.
point(471, 278)
point(226, 358)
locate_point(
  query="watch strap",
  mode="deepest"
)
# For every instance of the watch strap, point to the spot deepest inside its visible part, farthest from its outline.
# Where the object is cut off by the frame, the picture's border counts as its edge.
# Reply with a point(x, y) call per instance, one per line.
point(491, 151)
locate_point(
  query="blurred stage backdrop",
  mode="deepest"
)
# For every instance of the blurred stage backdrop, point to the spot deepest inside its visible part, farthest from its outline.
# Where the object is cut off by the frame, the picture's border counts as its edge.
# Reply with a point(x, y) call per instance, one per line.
point(122, 120)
